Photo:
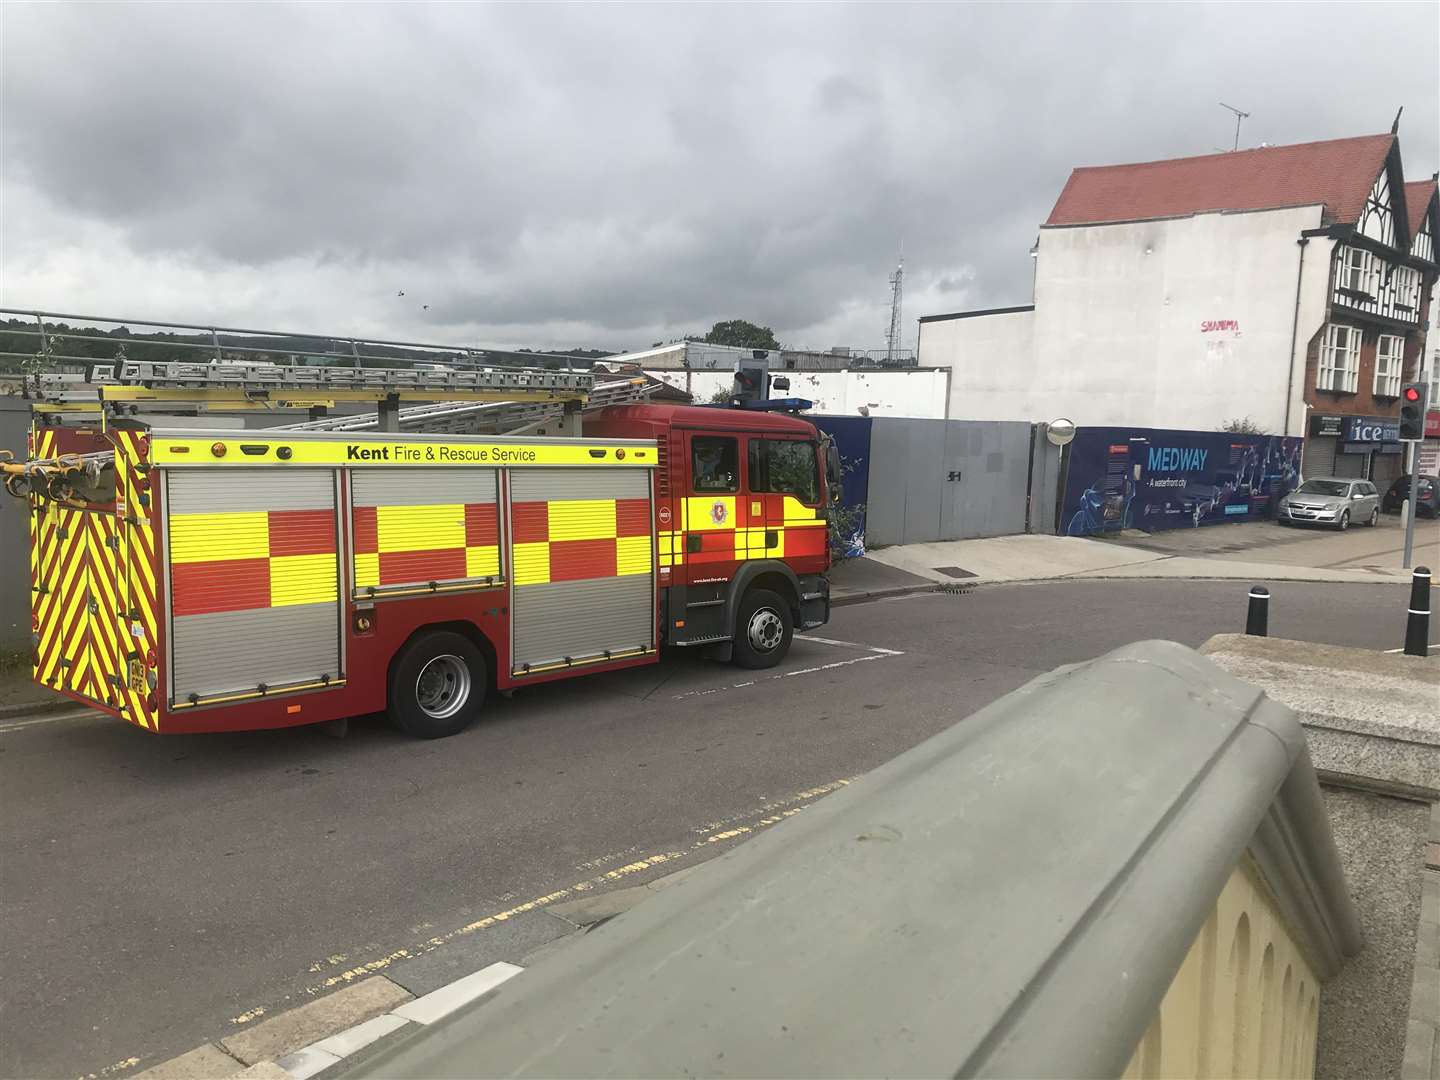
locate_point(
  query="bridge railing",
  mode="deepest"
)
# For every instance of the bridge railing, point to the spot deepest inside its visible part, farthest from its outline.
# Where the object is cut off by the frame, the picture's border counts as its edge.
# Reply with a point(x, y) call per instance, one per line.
point(1124, 867)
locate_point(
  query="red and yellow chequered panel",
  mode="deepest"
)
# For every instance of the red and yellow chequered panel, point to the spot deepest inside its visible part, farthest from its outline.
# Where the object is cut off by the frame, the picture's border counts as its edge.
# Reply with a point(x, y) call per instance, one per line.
point(405, 545)
point(734, 528)
point(251, 559)
point(575, 539)
point(92, 575)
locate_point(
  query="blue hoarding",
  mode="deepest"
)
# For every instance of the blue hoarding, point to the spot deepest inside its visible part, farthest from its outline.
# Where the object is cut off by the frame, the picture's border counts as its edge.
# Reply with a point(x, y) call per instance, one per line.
point(852, 440)
point(1152, 478)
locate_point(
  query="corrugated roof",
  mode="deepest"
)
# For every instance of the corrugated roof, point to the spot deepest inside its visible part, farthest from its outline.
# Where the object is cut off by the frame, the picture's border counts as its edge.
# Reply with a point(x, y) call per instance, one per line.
point(1338, 173)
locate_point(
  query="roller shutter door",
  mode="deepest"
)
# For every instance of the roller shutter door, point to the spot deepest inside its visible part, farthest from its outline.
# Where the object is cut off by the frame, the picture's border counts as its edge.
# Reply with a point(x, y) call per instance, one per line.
point(414, 527)
point(1320, 456)
point(583, 557)
point(253, 577)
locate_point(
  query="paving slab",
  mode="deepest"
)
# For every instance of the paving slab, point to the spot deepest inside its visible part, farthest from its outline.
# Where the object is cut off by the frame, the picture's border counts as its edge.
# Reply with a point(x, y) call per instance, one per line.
point(290, 1031)
point(206, 1062)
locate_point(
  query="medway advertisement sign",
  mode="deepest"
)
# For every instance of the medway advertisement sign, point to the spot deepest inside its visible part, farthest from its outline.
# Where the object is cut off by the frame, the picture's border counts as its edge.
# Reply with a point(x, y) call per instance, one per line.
point(1153, 478)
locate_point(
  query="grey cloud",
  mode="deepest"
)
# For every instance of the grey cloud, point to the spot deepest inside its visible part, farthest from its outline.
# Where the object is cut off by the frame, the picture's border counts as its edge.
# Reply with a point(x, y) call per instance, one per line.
point(610, 169)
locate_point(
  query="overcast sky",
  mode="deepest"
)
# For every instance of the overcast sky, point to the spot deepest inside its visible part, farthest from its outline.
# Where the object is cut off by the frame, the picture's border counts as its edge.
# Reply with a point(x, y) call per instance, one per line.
point(612, 175)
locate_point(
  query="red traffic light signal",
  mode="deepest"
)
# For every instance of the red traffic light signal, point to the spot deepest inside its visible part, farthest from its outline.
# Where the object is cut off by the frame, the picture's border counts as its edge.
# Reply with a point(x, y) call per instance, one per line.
point(1411, 394)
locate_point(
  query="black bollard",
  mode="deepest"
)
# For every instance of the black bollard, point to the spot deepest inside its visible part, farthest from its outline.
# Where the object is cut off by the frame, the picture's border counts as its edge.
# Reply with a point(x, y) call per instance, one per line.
point(1257, 620)
point(1417, 625)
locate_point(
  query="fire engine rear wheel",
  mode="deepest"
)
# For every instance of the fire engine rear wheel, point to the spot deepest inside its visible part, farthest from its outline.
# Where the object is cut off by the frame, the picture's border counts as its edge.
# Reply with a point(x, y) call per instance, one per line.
point(763, 629)
point(437, 685)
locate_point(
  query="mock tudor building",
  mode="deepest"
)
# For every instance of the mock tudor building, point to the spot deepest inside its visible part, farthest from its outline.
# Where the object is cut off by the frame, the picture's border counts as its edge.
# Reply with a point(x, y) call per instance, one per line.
point(1286, 285)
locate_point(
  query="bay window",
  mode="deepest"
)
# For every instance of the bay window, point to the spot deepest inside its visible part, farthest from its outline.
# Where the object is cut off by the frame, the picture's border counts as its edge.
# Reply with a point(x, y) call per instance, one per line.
point(1357, 271)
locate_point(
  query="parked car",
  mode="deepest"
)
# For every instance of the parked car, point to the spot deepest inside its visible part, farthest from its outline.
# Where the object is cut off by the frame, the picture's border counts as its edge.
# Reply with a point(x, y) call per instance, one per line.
point(1331, 500)
point(1427, 496)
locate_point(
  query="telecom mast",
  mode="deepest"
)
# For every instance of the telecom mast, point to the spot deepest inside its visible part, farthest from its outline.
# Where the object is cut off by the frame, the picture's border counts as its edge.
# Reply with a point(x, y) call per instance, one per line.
point(892, 336)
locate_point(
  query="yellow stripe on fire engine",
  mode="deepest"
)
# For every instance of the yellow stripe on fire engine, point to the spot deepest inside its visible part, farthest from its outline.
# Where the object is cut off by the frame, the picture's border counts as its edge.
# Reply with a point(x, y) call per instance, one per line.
point(302, 579)
point(671, 548)
point(367, 569)
point(420, 528)
point(214, 537)
point(704, 512)
point(798, 514)
point(482, 561)
point(751, 543)
point(632, 555)
point(582, 519)
point(532, 564)
point(360, 453)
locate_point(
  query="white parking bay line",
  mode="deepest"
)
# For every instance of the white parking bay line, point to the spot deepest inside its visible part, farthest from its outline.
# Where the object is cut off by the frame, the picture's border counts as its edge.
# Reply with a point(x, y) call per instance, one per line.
point(1402, 648)
point(850, 645)
point(878, 654)
point(58, 718)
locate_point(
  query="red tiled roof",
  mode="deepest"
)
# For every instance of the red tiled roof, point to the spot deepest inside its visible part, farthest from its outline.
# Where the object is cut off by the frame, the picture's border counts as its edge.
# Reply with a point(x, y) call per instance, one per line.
point(1338, 173)
point(1417, 201)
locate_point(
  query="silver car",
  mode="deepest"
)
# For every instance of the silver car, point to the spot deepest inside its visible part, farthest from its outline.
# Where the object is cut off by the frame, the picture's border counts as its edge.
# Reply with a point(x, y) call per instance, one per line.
point(1331, 500)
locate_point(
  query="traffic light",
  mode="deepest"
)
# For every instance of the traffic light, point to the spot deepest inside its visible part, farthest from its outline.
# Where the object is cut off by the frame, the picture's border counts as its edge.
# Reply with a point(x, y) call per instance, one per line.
point(1412, 412)
point(751, 381)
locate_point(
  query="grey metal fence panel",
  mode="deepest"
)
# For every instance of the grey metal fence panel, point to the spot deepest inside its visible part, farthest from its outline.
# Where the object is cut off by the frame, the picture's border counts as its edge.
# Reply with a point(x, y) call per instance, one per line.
point(234, 651)
point(403, 486)
point(934, 480)
point(582, 619)
point(14, 534)
point(925, 481)
point(885, 510)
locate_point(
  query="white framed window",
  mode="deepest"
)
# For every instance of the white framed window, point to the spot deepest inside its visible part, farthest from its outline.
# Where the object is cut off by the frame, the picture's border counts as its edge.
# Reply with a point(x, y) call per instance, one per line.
point(1358, 271)
point(1340, 359)
point(1433, 400)
point(1389, 362)
point(1406, 284)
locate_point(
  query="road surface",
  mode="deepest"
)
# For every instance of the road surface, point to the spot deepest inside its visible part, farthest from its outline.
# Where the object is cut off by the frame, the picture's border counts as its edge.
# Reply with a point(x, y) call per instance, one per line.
point(159, 892)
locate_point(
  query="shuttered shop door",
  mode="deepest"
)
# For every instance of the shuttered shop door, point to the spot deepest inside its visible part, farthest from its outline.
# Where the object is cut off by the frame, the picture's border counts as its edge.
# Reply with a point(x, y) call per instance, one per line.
point(583, 560)
point(253, 576)
point(1320, 455)
point(417, 526)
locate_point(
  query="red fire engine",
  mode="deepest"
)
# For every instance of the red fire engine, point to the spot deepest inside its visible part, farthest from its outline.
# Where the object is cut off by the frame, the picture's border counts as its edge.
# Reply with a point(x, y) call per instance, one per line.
point(192, 580)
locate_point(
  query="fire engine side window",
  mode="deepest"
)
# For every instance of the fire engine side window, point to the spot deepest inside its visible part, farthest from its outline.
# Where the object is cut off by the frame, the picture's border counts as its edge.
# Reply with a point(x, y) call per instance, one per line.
point(714, 463)
point(785, 466)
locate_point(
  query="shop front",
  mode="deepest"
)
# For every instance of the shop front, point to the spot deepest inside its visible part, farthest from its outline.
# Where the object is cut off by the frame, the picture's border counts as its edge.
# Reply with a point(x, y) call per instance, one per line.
point(1429, 450)
point(1361, 447)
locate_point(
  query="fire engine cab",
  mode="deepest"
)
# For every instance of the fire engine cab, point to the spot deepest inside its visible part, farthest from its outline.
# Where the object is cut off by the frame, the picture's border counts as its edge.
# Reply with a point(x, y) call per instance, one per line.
point(192, 580)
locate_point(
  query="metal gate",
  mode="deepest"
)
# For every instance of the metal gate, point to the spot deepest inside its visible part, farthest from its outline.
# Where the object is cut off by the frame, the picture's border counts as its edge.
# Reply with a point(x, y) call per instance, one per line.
point(423, 529)
point(583, 553)
point(253, 576)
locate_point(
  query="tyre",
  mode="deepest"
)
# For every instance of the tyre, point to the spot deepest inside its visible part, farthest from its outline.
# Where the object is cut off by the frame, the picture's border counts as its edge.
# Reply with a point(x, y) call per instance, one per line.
point(764, 628)
point(437, 685)
point(1374, 518)
point(1344, 522)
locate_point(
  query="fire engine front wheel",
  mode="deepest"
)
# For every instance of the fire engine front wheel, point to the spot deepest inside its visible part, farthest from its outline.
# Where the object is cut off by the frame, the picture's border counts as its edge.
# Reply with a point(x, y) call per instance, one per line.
point(437, 685)
point(763, 629)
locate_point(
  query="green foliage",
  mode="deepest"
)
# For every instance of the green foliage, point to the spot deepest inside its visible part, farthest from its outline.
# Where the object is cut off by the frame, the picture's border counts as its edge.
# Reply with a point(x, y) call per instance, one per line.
point(1242, 426)
point(744, 334)
point(721, 396)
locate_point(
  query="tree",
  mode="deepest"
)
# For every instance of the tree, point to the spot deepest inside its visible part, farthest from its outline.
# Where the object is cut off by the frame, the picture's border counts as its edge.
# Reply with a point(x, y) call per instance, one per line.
point(1243, 426)
point(744, 334)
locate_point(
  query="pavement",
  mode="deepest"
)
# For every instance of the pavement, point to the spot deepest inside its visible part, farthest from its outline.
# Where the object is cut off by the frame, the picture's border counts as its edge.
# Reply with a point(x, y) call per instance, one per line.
point(1260, 551)
point(166, 892)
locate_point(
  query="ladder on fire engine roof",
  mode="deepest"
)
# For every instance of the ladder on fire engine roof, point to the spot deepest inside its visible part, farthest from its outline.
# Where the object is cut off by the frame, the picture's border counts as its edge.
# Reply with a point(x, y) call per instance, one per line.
point(481, 418)
point(236, 368)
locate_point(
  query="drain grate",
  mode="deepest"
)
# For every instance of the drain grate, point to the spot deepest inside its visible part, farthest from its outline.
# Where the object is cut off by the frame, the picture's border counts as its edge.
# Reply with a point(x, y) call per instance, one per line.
point(954, 571)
